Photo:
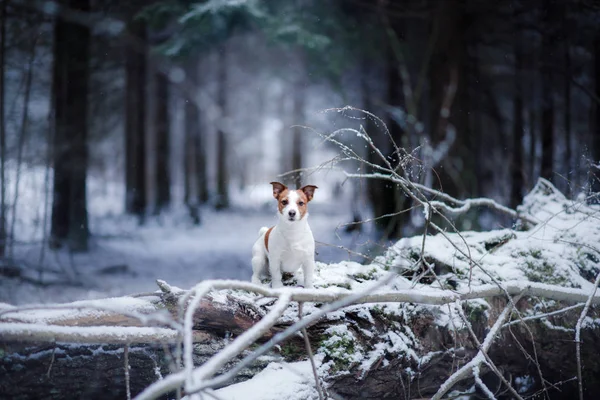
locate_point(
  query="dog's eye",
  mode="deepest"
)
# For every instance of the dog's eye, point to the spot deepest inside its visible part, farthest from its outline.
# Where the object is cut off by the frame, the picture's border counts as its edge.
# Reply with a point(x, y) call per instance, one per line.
point(284, 202)
point(301, 203)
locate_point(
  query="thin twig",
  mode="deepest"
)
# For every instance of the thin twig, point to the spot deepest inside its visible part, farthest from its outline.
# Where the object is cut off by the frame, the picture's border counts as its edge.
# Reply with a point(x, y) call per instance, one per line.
point(51, 362)
point(467, 369)
point(126, 366)
point(483, 351)
point(578, 334)
point(310, 355)
point(482, 385)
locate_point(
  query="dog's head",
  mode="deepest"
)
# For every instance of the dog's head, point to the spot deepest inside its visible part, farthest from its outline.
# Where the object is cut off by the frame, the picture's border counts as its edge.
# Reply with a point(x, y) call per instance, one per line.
point(292, 204)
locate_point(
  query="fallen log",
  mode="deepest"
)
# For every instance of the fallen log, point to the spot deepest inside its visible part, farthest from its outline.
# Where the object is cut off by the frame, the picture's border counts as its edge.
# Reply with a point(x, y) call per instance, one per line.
point(79, 350)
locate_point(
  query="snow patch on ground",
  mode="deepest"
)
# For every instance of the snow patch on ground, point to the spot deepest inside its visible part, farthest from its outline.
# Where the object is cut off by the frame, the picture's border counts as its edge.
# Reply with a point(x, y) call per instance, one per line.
point(278, 381)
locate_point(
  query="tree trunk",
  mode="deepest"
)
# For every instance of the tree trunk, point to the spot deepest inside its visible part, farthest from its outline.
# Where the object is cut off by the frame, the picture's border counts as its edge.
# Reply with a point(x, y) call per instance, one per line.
point(3, 8)
point(517, 168)
point(387, 199)
point(567, 98)
point(594, 173)
point(548, 44)
point(222, 200)
point(448, 72)
point(135, 122)
point(161, 123)
point(298, 106)
point(195, 187)
point(374, 186)
point(532, 115)
point(71, 75)
point(21, 142)
point(393, 199)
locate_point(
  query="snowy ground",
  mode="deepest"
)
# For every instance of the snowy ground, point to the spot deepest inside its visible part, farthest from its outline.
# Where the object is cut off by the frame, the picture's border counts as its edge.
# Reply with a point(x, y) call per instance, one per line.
point(126, 258)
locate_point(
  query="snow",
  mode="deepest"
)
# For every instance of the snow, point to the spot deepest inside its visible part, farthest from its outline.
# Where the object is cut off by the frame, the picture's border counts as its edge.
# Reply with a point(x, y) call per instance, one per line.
point(45, 314)
point(99, 334)
point(290, 381)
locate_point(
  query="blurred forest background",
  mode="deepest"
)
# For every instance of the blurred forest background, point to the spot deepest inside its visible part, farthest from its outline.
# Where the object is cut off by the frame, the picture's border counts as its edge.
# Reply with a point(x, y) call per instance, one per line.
point(184, 102)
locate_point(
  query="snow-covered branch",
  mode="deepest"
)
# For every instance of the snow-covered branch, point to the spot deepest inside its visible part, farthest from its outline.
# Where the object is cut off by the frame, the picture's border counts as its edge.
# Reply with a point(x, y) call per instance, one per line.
point(38, 333)
point(130, 334)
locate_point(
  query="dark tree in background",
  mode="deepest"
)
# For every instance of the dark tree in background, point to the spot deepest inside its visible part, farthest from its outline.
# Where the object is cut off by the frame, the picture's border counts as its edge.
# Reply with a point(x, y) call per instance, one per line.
point(70, 91)
point(195, 185)
point(517, 167)
point(222, 194)
point(161, 126)
point(549, 21)
point(3, 234)
point(594, 174)
point(135, 120)
point(298, 100)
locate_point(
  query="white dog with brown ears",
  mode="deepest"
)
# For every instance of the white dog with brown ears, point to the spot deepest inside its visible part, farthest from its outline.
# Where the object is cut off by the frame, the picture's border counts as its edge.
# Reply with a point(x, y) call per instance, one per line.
point(290, 244)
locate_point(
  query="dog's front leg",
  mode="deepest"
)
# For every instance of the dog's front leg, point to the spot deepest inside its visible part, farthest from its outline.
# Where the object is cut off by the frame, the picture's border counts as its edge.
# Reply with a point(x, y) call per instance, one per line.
point(275, 270)
point(308, 268)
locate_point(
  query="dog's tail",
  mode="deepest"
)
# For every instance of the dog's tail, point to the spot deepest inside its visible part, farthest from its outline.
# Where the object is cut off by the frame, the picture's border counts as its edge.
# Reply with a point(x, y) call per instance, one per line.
point(262, 231)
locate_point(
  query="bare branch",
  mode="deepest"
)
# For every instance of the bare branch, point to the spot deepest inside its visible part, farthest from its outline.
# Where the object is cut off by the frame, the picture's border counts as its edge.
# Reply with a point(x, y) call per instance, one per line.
point(578, 334)
point(467, 369)
point(126, 367)
point(310, 355)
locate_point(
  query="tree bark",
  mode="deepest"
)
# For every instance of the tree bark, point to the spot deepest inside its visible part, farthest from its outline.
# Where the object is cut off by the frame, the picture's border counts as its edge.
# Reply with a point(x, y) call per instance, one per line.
point(135, 122)
point(161, 123)
point(71, 75)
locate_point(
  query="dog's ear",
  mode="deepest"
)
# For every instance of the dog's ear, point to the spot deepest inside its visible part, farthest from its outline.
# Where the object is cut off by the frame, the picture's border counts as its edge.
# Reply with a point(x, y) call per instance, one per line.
point(278, 188)
point(309, 191)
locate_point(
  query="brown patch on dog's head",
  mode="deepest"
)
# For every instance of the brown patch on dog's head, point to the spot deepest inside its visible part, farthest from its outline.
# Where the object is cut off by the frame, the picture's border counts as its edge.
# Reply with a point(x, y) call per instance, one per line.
point(280, 192)
point(309, 191)
point(302, 203)
point(305, 194)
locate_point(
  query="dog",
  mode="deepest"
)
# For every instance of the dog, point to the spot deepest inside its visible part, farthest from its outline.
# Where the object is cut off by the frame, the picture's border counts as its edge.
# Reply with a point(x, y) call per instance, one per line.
point(290, 244)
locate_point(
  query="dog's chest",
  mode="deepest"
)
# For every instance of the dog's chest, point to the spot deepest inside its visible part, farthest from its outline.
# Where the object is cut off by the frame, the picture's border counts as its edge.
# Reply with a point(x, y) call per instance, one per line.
point(294, 249)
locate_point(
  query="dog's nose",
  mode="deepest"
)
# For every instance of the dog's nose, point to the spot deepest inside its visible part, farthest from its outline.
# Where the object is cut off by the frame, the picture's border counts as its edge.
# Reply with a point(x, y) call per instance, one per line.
point(292, 213)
